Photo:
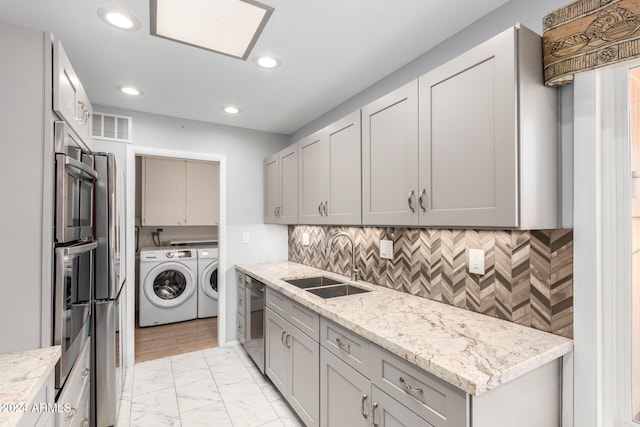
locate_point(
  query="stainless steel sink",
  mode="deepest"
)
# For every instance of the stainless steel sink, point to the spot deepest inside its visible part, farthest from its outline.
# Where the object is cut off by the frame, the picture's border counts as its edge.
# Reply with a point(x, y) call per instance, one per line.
point(337, 291)
point(312, 282)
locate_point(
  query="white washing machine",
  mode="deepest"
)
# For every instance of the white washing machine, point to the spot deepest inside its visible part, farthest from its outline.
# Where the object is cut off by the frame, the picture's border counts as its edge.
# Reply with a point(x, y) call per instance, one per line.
point(168, 285)
point(207, 282)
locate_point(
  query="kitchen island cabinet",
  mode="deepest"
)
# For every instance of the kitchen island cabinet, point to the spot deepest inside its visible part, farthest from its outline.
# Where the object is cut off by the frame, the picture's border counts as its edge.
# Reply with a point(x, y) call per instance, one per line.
point(426, 362)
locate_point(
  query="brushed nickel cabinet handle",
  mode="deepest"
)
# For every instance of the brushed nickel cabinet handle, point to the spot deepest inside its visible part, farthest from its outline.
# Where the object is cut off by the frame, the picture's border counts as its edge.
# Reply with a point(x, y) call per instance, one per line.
point(408, 388)
point(275, 211)
point(326, 213)
point(364, 399)
point(410, 201)
point(286, 341)
point(320, 208)
point(282, 337)
point(343, 346)
point(72, 413)
point(423, 195)
point(373, 416)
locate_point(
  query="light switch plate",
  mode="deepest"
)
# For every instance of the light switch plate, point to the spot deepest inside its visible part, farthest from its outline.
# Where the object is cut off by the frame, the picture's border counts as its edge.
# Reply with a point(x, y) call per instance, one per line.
point(305, 239)
point(246, 237)
point(476, 261)
point(386, 249)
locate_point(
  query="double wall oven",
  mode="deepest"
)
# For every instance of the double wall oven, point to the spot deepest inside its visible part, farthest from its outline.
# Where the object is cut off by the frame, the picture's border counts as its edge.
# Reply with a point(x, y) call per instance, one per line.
point(74, 251)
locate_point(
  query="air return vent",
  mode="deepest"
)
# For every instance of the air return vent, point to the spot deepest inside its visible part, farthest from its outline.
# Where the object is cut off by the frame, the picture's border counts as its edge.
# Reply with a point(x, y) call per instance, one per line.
point(111, 128)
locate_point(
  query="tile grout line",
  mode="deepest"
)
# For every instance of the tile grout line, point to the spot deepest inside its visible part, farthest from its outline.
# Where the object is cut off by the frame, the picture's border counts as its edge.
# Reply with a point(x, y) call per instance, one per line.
point(175, 391)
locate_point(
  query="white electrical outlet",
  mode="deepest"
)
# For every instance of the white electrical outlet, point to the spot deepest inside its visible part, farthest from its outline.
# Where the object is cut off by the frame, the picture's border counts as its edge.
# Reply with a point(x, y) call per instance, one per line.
point(305, 239)
point(476, 261)
point(246, 237)
point(386, 249)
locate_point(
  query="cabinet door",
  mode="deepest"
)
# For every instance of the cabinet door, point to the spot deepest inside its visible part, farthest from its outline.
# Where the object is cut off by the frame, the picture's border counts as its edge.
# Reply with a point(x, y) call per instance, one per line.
point(271, 184)
point(288, 213)
point(390, 158)
point(313, 154)
point(468, 138)
point(66, 86)
point(344, 394)
point(345, 173)
point(203, 193)
point(304, 378)
point(277, 354)
point(387, 412)
point(164, 197)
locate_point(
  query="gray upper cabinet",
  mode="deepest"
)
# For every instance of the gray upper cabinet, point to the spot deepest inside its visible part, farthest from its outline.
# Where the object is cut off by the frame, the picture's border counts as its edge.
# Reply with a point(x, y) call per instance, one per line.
point(488, 138)
point(390, 158)
point(281, 187)
point(329, 165)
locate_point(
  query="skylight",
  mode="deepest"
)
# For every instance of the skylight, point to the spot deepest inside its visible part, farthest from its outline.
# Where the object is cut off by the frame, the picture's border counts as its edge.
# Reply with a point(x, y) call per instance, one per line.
point(230, 27)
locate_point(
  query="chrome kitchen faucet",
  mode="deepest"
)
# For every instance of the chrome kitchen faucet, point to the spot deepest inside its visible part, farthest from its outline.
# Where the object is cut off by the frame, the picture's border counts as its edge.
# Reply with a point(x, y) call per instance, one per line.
point(354, 269)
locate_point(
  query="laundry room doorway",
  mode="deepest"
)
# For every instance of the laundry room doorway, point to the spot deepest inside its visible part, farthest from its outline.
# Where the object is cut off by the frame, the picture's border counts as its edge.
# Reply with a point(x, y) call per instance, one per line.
point(176, 206)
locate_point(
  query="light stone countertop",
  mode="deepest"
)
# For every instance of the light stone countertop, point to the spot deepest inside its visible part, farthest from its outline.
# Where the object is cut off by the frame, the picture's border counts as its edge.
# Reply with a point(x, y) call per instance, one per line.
point(22, 375)
point(472, 351)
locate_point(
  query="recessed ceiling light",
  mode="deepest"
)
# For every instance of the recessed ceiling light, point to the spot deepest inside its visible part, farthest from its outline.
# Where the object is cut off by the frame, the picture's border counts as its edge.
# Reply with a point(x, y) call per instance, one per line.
point(230, 27)
point(129, 90)
point(267, 61)
point(231, 110)
point(119, 19)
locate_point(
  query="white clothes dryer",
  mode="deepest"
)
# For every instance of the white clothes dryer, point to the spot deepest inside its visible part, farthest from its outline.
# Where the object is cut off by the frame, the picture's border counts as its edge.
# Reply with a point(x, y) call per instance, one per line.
point(168, 284)
point(207, 282)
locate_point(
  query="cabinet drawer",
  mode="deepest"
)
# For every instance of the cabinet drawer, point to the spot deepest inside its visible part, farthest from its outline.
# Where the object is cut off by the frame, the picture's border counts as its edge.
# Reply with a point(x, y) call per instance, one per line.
point(78, 416)
point(437, 401)
point(77, 377)
point(241, 298)
point(349, 347)
point(280, 304)
point(305, 319)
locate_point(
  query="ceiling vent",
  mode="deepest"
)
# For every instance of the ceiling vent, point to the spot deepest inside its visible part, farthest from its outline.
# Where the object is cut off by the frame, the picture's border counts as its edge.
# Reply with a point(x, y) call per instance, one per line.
point(111, 128)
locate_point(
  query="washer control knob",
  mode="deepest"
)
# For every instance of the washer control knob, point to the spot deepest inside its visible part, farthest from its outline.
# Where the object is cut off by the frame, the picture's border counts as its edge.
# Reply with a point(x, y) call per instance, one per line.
point(169, 254)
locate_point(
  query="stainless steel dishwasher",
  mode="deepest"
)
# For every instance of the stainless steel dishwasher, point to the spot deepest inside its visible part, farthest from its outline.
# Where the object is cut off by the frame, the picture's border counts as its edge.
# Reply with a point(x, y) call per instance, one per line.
point(254, 320)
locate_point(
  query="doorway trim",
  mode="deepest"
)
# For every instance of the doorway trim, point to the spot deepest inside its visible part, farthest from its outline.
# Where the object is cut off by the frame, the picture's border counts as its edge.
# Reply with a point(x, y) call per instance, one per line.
point(132, 152)
point(602, 248)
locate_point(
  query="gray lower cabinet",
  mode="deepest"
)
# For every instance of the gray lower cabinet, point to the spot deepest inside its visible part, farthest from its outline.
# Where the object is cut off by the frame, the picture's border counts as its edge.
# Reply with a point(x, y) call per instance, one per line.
point(76, 393)
point(292, 364)
point(344, 394)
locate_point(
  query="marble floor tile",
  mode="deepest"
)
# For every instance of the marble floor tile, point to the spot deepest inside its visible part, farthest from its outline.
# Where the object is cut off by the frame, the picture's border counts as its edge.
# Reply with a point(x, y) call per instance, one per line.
point(217, 387)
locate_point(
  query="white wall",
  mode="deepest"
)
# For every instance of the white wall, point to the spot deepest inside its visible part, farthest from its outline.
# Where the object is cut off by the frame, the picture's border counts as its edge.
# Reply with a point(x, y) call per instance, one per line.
point(527, 12)
point(245, 151)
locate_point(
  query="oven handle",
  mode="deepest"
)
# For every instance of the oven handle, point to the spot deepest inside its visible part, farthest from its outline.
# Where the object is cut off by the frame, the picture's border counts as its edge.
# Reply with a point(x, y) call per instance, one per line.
point(73, 250)
point(71, 162)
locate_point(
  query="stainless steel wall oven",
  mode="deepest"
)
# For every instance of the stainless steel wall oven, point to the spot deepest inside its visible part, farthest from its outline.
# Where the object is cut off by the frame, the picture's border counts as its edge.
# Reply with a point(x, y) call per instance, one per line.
point(72, 303)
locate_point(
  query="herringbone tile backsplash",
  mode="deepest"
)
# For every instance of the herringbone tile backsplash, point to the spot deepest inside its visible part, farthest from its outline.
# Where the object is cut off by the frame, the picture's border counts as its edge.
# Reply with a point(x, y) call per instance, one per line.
point(528, 274)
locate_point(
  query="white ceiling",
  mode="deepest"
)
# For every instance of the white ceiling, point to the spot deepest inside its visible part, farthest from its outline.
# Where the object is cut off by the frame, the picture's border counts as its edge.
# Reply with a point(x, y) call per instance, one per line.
point(330, 50)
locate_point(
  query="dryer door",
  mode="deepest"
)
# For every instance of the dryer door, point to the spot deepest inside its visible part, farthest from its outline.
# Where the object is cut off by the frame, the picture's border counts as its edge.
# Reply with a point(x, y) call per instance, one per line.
point(169, 284)
point(209, 280)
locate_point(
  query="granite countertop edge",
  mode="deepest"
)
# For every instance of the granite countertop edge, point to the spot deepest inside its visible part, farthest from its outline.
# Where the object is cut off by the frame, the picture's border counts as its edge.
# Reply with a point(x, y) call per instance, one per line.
point(22, 375)
point(456, 345)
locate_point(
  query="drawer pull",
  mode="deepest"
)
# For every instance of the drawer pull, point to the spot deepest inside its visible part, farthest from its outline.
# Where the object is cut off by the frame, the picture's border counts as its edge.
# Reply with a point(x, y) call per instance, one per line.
point(408, 388)
point(72, 413)
point(373, 417)
point(282, 337)
point(343, 346)
point(286, 341)
point(364, 399)
point(85, 372)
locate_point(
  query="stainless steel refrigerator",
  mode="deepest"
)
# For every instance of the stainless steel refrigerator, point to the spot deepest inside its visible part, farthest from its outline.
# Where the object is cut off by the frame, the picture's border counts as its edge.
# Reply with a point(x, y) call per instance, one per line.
point(108, 373)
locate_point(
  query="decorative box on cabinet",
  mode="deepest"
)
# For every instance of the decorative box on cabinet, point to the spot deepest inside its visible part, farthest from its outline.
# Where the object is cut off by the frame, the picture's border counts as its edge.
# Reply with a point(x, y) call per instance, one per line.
point(292, 359)
point(70, 101)
point(472, 143)
point(180, 192)
point(281, 187)
point(330, 174)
